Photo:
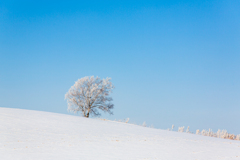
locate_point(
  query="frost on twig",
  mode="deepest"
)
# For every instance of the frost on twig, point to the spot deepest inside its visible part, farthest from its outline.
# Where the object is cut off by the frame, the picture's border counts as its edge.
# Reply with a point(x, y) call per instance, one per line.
point(181, 129)
point(144, 124)
point(173, 126)
point(89, 95)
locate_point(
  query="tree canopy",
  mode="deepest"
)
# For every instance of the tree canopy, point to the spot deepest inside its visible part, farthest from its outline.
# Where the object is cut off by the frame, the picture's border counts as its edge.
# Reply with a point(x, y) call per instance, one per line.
point(89, 95)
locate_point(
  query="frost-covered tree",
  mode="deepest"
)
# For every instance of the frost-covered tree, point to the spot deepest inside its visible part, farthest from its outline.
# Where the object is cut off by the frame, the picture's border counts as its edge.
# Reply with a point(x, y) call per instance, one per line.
point(90, 94)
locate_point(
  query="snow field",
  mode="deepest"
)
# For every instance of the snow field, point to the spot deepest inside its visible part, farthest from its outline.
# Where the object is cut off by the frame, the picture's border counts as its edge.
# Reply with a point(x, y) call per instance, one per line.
point(28, 135)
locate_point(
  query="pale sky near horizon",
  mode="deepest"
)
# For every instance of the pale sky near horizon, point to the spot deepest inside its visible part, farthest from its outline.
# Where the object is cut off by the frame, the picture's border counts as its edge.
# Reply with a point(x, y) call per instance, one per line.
point(172, 62)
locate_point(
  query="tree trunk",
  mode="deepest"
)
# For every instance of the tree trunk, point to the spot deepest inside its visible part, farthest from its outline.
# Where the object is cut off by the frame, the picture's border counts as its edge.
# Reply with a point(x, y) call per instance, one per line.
point(87, 115)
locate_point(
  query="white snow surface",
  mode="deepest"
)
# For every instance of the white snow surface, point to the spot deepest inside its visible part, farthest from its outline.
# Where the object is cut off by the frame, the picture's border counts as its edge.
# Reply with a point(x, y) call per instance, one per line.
point(36, 135)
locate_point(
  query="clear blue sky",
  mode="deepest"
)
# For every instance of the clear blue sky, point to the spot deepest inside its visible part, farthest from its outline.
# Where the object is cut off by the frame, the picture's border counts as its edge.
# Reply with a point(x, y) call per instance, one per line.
point(172, 62)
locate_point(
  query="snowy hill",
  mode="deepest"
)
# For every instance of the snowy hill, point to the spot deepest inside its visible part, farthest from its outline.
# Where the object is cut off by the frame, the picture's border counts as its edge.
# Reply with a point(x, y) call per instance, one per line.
point(35, 135)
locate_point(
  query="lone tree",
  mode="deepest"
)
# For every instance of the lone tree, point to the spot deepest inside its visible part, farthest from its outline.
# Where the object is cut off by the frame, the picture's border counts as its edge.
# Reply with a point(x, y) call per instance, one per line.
point(89, 94)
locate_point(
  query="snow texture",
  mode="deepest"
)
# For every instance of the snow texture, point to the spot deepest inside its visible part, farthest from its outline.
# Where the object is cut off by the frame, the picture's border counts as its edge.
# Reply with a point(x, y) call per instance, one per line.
point(35, 135)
